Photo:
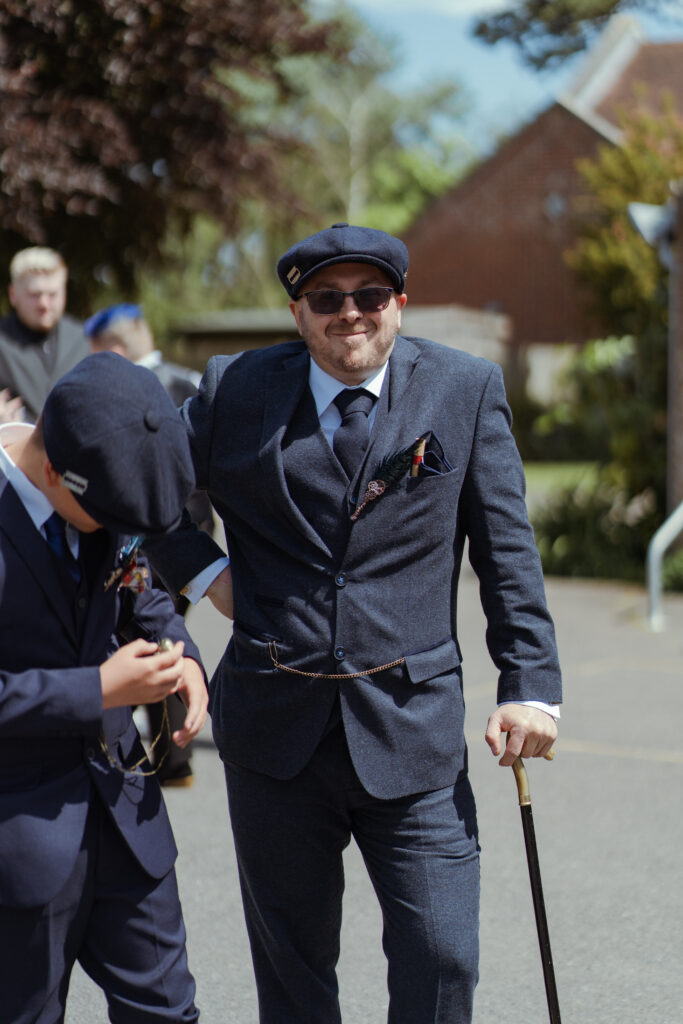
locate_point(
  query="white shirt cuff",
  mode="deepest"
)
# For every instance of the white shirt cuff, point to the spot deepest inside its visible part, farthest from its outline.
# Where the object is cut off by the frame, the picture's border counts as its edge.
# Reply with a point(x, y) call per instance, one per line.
point(550, 709)
point(197, 587)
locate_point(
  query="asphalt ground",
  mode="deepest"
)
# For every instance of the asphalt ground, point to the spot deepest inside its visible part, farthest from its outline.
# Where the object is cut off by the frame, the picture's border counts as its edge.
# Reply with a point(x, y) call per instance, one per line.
point(608, 819)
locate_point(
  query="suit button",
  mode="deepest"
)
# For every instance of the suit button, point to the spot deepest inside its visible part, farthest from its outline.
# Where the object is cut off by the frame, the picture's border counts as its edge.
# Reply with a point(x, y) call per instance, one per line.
point(340, 579)
point(82, 601)
point(90, 754)
point(339, 653)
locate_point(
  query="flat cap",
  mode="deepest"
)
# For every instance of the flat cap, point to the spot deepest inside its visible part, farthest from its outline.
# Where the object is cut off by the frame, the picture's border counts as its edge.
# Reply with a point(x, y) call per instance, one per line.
point(112, 432)
point(343, 243)
point(99, 321)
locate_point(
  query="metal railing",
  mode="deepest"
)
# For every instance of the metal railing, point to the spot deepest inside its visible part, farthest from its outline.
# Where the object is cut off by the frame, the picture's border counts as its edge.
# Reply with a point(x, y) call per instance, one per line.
point(665, 535)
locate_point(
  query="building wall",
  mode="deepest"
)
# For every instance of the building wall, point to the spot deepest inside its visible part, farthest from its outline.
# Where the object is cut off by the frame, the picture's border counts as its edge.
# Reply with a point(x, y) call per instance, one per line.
point(497, 241)
point(655, 71)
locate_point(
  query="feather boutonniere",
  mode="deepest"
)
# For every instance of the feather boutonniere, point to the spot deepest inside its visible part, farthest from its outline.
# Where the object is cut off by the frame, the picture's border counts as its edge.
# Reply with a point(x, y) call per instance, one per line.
point(391, 471)
point(127, 572)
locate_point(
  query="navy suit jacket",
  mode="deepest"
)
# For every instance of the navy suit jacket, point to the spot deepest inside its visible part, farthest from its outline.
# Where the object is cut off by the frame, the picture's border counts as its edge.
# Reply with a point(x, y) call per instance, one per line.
point(179, 382)
point(339, 597)
point(51, 716)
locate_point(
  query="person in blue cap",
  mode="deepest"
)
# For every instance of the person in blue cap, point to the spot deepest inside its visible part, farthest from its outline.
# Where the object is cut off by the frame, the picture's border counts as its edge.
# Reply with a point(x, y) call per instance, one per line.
point(350, 469)
point(122, 328)
point(86, 848)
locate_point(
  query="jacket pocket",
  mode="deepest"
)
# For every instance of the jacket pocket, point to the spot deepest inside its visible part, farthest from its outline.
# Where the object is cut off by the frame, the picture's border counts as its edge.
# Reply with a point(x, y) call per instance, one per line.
point(435, 661)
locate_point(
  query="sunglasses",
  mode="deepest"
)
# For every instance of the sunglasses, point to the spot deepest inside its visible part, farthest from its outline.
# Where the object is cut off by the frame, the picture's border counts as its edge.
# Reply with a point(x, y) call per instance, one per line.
point(326, 301)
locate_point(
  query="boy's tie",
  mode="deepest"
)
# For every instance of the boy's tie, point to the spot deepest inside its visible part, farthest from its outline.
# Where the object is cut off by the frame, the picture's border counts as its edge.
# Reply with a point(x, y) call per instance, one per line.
point(55, 531)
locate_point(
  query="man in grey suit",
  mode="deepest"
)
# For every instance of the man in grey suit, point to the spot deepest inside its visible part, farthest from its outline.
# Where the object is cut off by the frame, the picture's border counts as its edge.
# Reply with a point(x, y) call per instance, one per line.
point(349, 469)
point(39, 343)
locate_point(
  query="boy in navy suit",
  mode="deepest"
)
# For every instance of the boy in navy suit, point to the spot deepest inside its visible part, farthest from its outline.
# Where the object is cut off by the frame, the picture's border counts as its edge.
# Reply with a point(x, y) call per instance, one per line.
point(86, 848)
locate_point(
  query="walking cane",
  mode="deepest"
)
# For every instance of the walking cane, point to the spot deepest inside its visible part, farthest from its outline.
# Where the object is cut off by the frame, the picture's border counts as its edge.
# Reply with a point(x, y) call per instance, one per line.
point(522, 780)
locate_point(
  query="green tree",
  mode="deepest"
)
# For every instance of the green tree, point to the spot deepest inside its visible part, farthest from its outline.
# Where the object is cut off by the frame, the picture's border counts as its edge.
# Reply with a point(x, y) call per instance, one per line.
point(119, 123)
point(618, 385)
point(378, 153)
point(549, 31)
point(621, 274)
point(367, 154)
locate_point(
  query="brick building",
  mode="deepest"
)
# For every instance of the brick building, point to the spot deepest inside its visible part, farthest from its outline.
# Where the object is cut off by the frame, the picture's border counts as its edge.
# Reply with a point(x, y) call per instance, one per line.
point(497, 241)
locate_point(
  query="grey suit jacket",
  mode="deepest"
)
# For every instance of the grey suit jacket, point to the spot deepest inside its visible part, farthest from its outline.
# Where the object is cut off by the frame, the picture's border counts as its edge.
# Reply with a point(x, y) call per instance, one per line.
point(31, 363)
point(321, 594)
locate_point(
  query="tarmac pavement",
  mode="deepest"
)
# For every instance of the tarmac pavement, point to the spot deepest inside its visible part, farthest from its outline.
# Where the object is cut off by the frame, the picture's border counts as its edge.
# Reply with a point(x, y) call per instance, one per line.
point(608, 818)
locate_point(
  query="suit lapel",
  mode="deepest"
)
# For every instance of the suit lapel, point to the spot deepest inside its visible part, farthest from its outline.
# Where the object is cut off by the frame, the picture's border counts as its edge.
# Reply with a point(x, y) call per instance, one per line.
point(393, 428)
point(68, 350)
point(98, 557)
point(284, 389)
point(34, 551)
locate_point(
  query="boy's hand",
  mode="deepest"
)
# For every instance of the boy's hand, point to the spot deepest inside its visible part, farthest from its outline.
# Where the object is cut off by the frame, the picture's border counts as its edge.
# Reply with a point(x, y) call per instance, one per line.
point(139, 673)
point(194, 695)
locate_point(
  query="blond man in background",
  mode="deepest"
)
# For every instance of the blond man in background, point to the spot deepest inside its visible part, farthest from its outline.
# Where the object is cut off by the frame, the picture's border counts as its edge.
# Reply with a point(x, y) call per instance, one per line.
point(39, 343)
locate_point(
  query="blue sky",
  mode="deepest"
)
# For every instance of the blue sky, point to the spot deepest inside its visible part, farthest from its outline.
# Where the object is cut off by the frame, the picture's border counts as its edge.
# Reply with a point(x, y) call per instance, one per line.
point(434, 38)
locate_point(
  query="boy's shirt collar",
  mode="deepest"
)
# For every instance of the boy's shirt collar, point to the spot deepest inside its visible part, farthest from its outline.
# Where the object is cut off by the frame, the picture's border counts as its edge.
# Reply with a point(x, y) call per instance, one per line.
point(32, 498)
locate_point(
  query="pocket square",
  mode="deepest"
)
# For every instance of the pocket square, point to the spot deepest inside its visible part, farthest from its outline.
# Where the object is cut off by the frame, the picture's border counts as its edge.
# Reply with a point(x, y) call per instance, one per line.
point(434, 460)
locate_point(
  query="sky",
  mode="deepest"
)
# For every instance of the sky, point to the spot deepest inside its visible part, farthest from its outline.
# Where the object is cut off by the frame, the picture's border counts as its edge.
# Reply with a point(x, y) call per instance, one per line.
point(435, 38)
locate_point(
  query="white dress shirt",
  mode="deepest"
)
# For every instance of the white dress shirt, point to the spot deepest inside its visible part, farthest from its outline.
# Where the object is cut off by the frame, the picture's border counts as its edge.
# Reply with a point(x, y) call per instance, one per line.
point(33, 499)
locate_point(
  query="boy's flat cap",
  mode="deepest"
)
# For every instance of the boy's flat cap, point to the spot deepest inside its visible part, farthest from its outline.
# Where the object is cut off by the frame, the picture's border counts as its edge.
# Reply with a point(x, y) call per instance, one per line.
point(116, 437)
point(343, 243)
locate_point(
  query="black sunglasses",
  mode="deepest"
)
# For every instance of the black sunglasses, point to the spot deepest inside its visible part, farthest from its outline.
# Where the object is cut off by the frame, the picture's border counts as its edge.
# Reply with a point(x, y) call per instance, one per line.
point(326, 301)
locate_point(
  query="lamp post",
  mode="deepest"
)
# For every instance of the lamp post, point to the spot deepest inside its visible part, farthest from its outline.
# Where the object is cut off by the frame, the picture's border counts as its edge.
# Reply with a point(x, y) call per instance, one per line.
point(674, 449)
point(662, 227)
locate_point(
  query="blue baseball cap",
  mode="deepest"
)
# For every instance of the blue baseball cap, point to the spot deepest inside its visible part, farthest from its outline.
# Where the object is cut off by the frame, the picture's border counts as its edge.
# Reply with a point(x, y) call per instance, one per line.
point(99, 321)
point(343, 243)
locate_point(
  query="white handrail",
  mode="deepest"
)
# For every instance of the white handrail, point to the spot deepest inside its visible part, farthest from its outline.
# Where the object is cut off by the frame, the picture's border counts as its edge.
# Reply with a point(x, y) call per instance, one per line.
point(665, 535)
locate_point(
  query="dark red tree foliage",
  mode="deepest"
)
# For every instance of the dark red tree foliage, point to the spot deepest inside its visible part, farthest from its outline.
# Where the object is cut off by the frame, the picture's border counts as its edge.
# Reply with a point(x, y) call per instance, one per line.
point(120, 118)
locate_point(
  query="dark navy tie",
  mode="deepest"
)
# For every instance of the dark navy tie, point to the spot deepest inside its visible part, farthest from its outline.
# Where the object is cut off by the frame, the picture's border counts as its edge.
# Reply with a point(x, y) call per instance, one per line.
point(55, 531)
point(353, 434)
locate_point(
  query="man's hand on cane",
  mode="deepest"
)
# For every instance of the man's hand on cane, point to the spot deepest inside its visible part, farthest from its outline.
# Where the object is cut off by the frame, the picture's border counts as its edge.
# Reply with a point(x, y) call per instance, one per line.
point(531, 732)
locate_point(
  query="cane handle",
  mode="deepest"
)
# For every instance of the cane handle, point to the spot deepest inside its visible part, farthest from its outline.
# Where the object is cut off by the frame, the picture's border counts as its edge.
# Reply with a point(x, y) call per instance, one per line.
point(522, 779)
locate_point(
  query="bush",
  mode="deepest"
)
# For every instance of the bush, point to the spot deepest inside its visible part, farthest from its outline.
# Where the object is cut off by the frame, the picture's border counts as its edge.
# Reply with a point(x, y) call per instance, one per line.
point(554, 434)
point(615, 389)
point(598, 532)
point(672, 571)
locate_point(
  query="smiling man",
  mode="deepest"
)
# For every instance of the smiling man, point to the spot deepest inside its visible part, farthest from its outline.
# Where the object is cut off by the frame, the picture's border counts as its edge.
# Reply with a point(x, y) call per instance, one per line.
point(38, 342)
point(350, 468)
point(349, 343)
